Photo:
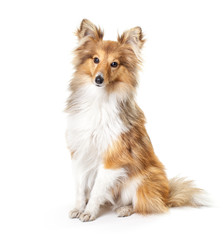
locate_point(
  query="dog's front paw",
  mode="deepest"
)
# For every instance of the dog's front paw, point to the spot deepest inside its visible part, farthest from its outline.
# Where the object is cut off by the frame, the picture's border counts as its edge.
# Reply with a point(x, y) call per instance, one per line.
point(75, 213)
point(86, 217)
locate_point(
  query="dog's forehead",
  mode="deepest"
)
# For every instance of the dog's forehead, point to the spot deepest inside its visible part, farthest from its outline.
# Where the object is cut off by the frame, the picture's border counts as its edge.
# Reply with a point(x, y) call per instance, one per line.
point(110, 46)
point(108, 49)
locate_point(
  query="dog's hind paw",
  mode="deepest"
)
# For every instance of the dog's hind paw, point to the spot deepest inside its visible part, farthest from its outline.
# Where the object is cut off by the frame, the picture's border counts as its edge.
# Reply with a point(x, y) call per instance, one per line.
point(124, 211)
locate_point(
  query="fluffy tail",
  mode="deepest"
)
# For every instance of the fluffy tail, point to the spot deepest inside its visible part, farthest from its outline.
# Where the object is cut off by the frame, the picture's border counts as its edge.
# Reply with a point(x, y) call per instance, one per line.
point(184, 193)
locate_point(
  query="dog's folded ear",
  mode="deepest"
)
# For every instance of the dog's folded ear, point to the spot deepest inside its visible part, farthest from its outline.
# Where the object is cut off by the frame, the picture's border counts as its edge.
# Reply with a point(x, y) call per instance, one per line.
point(133, 36)
point(88, 29)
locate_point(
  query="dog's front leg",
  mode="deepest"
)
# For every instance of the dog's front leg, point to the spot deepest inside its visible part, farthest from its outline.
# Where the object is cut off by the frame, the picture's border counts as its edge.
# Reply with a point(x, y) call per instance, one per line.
point(105, 180)
point(80, 191)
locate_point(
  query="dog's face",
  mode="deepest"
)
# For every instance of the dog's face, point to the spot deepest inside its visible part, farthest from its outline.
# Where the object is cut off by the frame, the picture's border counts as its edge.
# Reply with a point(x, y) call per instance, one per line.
point(104, 63)
point(108, 64)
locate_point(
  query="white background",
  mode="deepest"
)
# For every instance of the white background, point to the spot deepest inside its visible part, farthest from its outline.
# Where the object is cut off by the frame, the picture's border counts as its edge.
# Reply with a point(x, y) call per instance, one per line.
point(181, 93)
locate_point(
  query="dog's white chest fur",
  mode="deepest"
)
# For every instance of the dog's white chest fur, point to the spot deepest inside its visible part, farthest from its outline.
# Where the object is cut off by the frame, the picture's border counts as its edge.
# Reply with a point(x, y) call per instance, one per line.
point(93, 126)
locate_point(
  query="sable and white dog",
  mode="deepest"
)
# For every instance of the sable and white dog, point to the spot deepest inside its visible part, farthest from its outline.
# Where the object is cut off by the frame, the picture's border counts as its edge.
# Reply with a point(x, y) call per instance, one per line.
point(112, 154)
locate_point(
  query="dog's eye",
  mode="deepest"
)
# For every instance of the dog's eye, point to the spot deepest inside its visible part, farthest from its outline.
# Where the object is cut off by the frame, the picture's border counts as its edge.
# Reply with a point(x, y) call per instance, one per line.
point(114, 64)
point(96, 60)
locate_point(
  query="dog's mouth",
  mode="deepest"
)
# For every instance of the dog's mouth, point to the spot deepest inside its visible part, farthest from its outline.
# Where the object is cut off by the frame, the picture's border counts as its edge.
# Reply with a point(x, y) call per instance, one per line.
point(99, 85)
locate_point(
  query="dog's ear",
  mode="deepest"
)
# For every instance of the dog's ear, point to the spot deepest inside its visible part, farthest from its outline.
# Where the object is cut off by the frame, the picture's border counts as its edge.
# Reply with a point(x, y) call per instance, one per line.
point(133, 36)
point(88, 29)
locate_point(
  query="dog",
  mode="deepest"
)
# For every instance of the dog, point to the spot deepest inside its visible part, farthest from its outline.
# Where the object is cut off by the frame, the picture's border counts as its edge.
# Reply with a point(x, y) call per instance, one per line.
point(112, 155)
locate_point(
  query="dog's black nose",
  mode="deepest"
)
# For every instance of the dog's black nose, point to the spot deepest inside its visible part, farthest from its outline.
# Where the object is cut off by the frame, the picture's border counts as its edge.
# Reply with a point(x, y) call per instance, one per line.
point(99, 80)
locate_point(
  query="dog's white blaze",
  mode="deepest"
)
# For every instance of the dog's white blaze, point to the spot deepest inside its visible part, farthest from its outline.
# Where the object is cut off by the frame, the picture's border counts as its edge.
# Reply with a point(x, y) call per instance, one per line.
point(93, 124)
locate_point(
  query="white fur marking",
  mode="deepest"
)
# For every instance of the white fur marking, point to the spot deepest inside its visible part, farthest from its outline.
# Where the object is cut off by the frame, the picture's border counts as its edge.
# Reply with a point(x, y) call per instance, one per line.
point(93, 125)
point(105, 180)
point(128, 191)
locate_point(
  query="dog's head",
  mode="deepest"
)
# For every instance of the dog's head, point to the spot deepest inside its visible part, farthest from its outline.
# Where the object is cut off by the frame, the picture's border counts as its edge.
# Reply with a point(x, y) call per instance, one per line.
point(109, 64)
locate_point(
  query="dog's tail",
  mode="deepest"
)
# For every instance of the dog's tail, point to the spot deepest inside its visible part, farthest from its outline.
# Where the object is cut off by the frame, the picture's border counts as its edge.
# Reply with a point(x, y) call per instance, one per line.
point(184, 193)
